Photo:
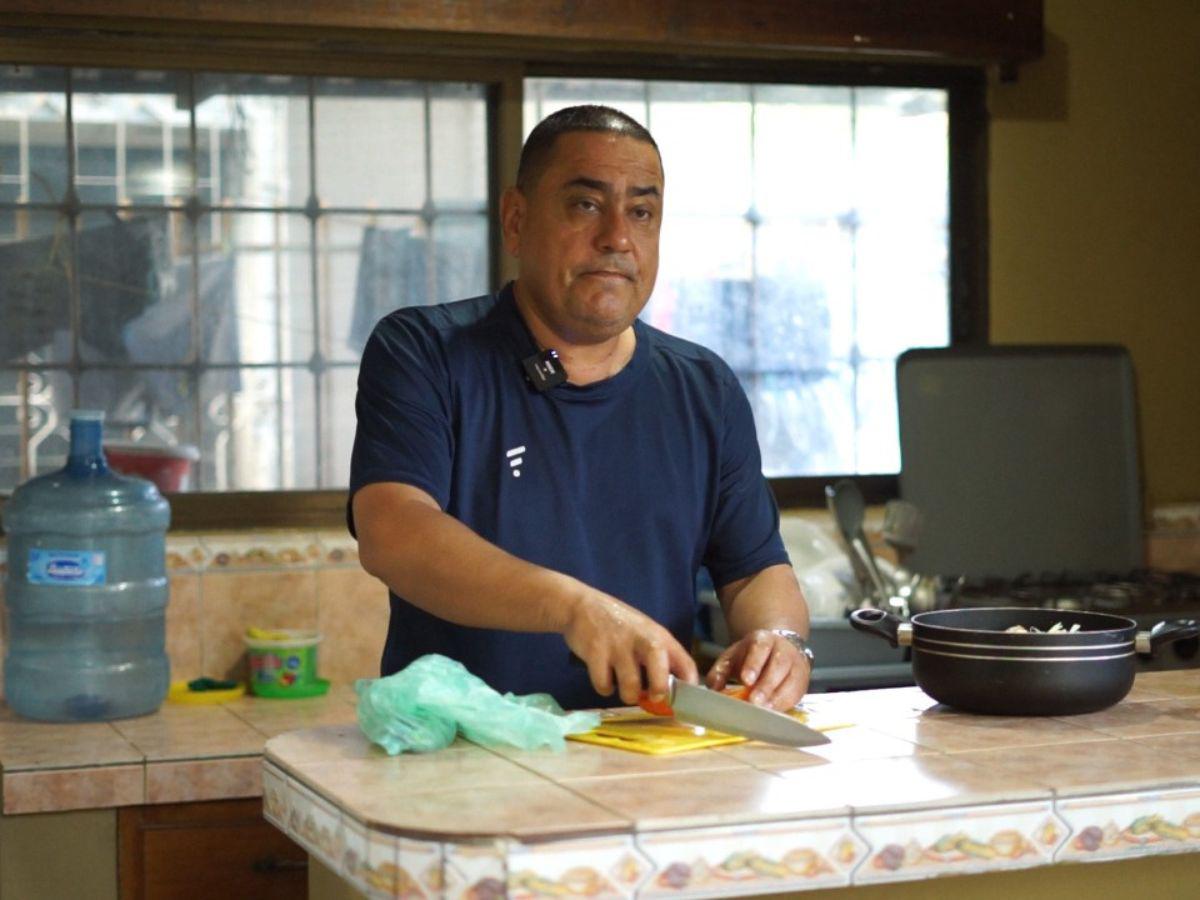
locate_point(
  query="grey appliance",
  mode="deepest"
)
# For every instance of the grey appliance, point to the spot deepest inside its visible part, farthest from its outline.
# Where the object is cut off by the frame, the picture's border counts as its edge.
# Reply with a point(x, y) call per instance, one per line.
point(1022, 459)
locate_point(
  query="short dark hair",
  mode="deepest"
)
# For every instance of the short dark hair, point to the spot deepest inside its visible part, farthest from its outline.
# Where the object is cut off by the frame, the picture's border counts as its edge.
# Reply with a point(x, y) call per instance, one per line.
point(535, 155)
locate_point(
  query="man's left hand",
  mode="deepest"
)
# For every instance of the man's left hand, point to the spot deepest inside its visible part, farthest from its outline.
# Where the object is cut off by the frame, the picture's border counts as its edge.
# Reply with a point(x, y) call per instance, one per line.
point(769, 664)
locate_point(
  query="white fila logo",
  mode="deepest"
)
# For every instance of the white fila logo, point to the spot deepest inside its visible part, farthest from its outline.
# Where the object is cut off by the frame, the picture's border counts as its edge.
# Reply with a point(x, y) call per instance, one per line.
point(515, 459)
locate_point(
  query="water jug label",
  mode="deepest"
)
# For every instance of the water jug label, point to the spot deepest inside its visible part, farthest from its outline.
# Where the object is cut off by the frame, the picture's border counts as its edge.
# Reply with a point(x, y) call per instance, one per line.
point(74, 567)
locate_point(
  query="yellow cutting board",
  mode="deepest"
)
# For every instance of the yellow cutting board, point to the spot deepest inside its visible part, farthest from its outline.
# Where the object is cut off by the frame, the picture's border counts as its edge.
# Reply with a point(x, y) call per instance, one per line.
point(659, 735)
point(656, 735)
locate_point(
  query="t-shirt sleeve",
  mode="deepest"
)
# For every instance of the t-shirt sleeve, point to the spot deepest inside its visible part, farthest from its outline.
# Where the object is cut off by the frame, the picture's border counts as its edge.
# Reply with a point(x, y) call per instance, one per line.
point(403, 409)
point(745, 535)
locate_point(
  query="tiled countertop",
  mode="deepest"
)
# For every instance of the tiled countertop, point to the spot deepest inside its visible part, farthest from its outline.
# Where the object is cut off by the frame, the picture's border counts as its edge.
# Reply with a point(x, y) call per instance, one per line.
point(178, 754)
point(908, 790)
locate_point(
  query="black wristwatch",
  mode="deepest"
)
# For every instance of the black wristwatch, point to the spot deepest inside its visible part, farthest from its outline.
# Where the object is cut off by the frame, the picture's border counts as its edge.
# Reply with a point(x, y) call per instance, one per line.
point(796, 639)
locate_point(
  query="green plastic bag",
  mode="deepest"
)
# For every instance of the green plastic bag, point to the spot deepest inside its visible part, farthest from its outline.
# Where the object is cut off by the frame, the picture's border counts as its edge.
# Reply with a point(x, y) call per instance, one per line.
point(424, 705)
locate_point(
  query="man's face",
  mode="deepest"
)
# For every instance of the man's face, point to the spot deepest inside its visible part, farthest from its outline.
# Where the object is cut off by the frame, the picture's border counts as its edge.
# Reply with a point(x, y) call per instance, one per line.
point(586, 234)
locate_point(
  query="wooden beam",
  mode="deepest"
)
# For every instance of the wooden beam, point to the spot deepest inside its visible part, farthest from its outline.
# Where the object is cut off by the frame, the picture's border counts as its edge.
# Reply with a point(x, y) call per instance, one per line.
point(1002, 31)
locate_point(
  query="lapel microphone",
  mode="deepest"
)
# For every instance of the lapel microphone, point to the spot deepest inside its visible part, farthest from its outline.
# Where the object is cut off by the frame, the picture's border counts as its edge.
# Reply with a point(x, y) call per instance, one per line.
point(544, 370)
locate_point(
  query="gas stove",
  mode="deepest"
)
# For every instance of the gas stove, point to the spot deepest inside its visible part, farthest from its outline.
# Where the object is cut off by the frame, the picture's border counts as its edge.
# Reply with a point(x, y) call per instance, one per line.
point(1147, 596)
point(1139, 594)
point(849, 660)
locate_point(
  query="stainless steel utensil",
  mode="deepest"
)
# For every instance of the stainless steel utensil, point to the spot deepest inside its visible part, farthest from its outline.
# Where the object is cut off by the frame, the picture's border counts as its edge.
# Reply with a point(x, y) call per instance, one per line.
point(902, 531)
point(862, 576)
point(849, 509)
point(901, 528)
point(920, 592)
point(713, 709)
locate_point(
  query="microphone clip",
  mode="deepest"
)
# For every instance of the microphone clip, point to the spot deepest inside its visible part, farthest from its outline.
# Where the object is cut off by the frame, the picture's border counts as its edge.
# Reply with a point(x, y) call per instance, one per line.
point(544, 370)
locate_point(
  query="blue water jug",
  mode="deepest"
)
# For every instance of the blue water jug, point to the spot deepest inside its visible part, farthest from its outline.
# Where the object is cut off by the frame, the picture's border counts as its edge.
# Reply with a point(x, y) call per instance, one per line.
point(86, 589)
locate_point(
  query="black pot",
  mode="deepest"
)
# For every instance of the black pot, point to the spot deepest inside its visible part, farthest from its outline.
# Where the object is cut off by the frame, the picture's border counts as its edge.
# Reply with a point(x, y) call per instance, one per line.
point(965, 658)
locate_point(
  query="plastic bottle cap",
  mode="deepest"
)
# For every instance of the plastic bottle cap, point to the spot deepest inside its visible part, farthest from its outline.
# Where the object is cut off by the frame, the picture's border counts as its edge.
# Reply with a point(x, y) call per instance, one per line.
point(87, 415)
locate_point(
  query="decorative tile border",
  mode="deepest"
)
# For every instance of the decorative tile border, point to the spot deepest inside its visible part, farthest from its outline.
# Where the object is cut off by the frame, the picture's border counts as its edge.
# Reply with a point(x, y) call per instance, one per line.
point(317, 824)
point(974, 839)
point(251, 550)
point(354, 852)
point(380, 868)
point(382, 865)
point(475, 871)
point(378, 864)
point(758, 859)
point(185, 553)
point(277, 797)
point(337, 548)
point(422, 870)
point(601, 867)
point(1176, 517)
point(1133, 824)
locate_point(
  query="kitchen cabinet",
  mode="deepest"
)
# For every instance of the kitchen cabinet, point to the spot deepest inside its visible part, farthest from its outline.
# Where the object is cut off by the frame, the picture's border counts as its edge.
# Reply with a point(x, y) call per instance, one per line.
point(204, 850)
point(162, 806)
point(174, 851)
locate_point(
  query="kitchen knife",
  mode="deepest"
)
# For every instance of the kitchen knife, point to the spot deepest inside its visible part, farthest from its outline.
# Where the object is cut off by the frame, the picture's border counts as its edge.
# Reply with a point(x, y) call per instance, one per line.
point(713, 709)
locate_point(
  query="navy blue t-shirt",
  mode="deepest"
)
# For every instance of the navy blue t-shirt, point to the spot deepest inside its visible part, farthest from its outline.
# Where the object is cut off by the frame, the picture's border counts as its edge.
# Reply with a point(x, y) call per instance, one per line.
point(629, 484)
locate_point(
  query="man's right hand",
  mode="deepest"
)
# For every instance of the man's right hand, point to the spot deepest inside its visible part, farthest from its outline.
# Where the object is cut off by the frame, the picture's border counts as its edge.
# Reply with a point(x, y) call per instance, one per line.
point(617, 642)
point(441, 566)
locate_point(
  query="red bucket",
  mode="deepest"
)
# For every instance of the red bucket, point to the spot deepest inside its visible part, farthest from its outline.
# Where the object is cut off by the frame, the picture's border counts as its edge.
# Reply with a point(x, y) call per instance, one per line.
point(169, 468)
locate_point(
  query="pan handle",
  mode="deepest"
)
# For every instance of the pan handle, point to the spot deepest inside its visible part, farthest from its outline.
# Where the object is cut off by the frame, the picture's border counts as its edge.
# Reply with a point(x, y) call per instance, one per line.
point(884, 625)
point(1148, 642)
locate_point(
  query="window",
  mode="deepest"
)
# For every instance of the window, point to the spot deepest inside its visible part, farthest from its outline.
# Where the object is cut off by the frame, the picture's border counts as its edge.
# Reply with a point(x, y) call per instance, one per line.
point(805, 239)
point(203, 254)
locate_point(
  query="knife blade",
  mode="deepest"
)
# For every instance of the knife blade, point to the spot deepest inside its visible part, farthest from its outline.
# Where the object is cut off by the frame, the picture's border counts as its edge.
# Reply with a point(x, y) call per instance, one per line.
point(712, 709)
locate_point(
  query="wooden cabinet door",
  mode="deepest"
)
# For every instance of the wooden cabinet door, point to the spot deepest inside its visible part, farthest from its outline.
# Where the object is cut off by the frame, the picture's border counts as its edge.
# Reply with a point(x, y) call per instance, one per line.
point(218, 849)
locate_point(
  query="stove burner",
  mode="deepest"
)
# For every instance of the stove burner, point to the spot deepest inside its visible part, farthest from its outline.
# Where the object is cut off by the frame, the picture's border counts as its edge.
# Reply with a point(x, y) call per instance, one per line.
point(1141, 590)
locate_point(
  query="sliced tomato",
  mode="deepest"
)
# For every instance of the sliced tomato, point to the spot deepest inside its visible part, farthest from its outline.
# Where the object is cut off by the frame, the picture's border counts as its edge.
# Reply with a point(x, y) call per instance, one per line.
point(655, 707)
point(662, 708)
point(740, 691)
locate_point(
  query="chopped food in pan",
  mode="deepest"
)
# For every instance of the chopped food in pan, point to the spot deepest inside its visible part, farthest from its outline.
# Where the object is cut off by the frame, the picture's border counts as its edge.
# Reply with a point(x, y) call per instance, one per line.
point(1056, 628)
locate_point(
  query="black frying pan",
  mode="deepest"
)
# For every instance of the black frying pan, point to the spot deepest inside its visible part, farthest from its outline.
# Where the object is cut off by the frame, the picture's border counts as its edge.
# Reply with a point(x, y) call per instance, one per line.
point(965, 658)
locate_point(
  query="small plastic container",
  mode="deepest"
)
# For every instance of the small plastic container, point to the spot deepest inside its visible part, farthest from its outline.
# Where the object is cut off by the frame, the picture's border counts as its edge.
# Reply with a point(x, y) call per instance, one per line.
point(283, 663)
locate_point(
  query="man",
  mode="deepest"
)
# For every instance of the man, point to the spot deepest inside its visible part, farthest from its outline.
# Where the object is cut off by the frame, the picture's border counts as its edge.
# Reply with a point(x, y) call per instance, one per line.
point(519, 522)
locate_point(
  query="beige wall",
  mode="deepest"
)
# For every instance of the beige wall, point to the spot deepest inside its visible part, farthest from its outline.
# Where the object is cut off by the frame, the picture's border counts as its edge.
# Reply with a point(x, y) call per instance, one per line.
point(1095, 208)
point(51, 856)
